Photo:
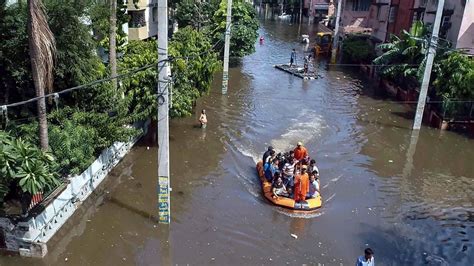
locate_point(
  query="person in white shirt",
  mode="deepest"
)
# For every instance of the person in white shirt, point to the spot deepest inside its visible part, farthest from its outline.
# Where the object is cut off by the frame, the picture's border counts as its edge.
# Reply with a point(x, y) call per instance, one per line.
point(313, 186)
point(312, 167)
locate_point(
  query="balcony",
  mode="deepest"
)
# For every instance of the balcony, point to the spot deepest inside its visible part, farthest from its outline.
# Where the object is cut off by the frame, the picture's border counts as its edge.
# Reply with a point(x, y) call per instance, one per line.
point(137, 4)
point(138, 33)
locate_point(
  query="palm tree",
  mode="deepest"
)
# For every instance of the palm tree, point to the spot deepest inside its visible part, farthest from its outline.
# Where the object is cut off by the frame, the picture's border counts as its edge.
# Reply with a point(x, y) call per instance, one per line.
point(404, 55)
point(42, 47)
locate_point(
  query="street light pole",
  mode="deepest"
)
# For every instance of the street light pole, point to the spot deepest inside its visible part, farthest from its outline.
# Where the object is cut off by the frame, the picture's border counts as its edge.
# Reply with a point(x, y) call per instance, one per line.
point(336, 32)
point(420, 108)
point(225, 72)
point(163, 116)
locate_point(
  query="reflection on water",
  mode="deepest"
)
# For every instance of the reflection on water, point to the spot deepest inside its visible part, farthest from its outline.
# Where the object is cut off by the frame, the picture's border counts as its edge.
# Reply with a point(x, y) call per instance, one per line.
point(407, 197)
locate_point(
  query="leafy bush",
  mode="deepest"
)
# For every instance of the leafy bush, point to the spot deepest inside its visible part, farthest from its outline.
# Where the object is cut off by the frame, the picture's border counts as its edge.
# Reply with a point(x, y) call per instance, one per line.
point(26, 166)
point(455, 78)
point(74, 145)
point(357, 49)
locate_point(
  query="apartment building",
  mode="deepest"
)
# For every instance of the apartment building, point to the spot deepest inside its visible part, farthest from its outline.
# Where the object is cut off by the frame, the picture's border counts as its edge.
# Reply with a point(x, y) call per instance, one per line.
point(319, 9)
point(457, 23)
point(388, 17)
point(392, 16)
point(143, 22)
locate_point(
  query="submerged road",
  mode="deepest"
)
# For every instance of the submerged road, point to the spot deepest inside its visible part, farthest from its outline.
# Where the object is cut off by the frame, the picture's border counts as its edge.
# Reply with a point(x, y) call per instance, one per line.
point(411, 202)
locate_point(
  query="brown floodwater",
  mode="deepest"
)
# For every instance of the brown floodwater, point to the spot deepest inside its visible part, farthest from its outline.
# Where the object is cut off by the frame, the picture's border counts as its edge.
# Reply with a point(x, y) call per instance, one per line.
point(409, 198)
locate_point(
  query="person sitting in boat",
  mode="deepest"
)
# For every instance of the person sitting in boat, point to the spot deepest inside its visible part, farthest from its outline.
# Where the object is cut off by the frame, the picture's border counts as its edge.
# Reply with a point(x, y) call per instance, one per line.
point(288, 172)
point(269, 153)
point(313, 185)
point(301, 184)
point(279, 189)
point(271, 170)
point(312, 167)
point(300, 152)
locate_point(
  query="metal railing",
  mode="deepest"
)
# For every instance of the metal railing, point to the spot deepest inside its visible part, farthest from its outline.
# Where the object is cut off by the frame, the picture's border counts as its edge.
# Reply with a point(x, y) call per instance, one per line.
point(455, 109)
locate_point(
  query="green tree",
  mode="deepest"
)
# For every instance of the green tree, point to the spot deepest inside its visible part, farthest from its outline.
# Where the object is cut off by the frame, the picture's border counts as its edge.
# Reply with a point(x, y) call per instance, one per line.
point(243, 30)
point(197, 14)
point(15, 74)
point(455, 78)
point(193, 69)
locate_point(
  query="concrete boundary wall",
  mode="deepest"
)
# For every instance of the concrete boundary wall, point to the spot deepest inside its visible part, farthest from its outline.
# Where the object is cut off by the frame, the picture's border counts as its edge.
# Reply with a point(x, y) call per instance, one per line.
point(29, 238)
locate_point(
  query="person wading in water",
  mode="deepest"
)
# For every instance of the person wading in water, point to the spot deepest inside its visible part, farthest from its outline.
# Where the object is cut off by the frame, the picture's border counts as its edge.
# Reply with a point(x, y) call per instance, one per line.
point(203, 119)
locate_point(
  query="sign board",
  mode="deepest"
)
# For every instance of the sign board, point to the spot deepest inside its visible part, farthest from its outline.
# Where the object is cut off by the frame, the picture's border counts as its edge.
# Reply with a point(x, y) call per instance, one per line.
point(163, 200)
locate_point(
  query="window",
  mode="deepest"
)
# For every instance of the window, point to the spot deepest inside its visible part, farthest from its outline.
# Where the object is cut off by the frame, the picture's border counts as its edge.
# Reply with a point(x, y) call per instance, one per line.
point(361, 5)
point(392, 17)
point(137, 19)
point(154, 14)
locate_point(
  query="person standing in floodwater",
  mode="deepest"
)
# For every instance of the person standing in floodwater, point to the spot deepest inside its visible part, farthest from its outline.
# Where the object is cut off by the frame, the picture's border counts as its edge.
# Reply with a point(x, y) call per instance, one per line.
point(203, 118)
point(367, 259)
point(292, 57)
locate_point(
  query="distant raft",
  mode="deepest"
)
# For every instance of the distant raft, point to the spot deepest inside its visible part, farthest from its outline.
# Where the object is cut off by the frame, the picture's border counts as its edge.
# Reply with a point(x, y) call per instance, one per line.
point(289, 203)
point(297, 71)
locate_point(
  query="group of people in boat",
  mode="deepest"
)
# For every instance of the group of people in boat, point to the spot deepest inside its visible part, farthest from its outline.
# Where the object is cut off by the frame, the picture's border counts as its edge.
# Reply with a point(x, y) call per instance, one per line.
point(293, 174)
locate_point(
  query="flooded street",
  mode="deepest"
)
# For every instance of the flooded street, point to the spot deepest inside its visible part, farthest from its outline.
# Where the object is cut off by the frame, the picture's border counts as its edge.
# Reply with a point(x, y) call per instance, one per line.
point(409, 198)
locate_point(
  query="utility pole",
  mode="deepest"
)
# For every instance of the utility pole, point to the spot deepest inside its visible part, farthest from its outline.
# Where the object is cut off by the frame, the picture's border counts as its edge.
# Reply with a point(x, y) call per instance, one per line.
point(420, 108)
point(225, 72)
point(336, 32)
point(301, 11)
point(311, 13)
point(163, 117)
point(113, 44)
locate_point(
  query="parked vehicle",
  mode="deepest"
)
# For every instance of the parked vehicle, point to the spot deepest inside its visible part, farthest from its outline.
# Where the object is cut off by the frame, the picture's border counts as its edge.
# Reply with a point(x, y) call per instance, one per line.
point(323, 43)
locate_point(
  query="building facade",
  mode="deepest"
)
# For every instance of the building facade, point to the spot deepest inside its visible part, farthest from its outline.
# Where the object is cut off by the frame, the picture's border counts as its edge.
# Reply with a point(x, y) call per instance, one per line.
point(318, 9)
point(355, 15)
point(456, 23)
point(390, 17)
point(143, 22)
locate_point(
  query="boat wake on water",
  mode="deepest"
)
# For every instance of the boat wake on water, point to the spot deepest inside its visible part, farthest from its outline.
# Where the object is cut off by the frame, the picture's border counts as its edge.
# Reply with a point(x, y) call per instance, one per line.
point(291, 214)
point(308, 126)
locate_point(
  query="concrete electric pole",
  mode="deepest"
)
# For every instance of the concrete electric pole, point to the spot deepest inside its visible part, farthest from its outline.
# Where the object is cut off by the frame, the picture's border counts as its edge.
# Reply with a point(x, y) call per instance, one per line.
point(420, 108)
point(336, 32)
point(225, 72)
point(163, 117)
point(310, 13)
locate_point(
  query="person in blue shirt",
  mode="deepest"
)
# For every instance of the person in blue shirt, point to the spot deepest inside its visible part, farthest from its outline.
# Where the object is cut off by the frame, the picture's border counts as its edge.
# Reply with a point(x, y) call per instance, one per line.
point(367, 259)
point(292, 57)
point(269, 153)
point(271, 169)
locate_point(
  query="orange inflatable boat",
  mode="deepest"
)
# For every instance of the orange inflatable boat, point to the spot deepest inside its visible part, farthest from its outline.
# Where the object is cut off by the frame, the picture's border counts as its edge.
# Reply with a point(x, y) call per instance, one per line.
point(307, 205)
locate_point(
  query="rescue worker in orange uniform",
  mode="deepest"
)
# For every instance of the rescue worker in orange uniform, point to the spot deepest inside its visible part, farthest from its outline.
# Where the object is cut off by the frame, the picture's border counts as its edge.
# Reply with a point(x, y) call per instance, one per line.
point(300, 151)
point(301, 185)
